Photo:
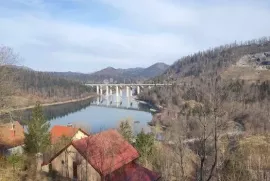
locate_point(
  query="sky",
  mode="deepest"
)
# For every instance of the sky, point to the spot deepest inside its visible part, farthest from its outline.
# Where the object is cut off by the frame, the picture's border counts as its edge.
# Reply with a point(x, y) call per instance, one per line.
point(88, 35)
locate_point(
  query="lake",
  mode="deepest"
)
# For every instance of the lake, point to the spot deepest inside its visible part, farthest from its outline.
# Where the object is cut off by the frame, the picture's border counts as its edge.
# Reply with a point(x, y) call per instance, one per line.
point(101, 113)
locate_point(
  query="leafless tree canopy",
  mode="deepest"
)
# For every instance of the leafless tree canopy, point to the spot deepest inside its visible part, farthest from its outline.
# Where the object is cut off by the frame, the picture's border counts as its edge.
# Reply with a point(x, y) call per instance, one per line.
point(7, 58)
point(211, 115)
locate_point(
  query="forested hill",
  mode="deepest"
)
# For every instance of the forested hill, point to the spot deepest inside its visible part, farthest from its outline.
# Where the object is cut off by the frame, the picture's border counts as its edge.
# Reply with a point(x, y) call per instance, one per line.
point(249, 60)
point(241, 72)
point(28, 86)
point(115, 75)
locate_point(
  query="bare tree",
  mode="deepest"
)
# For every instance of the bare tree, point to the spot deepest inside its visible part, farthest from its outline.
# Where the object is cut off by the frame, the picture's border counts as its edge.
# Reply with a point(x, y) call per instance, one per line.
point(7, 57)
point(209, 115)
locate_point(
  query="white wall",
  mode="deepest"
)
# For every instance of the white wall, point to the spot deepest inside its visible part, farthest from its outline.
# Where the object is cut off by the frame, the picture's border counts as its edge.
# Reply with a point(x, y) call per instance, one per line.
point(79, 135)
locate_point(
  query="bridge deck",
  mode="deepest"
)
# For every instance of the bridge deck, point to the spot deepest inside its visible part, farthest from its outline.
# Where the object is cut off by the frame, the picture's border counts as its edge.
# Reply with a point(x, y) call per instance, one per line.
point(128, 84)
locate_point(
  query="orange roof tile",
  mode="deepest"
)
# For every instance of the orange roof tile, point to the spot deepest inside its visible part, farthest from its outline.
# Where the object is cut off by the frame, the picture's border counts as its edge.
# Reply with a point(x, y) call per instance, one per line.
point(11, 137)
point(59, 131)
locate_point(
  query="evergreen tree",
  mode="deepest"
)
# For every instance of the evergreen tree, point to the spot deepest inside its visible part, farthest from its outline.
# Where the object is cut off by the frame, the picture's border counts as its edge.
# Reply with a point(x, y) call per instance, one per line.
point(125, 130)
point(145, 144)
point(37, 138)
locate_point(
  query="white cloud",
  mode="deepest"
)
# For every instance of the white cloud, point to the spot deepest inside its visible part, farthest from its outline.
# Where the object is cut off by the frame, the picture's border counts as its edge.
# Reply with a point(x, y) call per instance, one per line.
point(144, 32)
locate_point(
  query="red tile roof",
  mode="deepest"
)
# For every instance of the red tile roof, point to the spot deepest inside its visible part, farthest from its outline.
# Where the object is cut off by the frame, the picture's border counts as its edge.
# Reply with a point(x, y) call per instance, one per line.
point(106, 151)
point(11, 137)
point(133, 172)
point(59, 131)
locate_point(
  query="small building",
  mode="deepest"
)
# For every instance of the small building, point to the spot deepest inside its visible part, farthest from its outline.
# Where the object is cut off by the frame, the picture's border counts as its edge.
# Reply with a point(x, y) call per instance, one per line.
point(11, 138)
point(100, 157)
point(67, 131)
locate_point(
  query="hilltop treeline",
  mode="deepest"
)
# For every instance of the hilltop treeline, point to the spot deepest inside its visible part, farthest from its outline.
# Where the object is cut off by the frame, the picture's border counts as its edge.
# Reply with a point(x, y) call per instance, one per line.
point(213, 61)
point(43, 85)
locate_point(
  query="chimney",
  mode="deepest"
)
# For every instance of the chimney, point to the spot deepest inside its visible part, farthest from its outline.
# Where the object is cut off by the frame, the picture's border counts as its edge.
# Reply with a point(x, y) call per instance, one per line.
point(69, 125)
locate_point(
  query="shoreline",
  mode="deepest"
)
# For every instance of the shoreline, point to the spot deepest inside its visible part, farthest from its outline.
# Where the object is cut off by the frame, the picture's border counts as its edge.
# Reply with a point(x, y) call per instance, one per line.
point(47, 104)
point(160, 110)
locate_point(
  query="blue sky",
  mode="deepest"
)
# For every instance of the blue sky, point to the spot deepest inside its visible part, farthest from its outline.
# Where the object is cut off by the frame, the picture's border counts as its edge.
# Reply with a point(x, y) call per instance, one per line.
point(88, 35)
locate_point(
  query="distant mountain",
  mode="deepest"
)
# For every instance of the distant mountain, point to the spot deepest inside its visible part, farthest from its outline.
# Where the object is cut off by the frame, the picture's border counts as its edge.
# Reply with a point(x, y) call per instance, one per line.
point(75, 76)
point(154, 70)
point(111, 74)
point(129, 75)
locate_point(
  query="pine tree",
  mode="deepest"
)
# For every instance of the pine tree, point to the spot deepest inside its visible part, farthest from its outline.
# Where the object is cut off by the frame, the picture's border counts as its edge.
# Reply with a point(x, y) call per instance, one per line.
point(37, 138)
point(145, 144)
point(125, 130)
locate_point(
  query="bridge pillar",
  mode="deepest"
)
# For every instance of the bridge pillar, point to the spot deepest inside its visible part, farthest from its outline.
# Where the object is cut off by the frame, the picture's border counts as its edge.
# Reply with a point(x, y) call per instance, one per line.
point(97, 90)
point(101, 91)
point(107, 101)
point(111, 91)
point(128, 102)
point(107, 90)
point(131, 92)
point(127, 91)
point(117, 101)
point(98, 101)
point(138, 89)
point(117, 91)
point(121, 92)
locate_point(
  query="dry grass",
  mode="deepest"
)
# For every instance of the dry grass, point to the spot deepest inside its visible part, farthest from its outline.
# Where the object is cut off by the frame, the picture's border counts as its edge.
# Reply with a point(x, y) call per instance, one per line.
point(171, 161)
point(255, 150)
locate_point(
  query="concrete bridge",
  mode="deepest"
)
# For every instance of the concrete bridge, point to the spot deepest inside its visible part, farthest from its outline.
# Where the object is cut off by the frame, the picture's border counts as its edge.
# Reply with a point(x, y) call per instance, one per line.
point(119, 88)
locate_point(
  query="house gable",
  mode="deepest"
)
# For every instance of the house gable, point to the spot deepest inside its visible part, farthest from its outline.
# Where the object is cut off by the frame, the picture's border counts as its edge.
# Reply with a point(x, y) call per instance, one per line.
point(79, 135)
point(64, 162)
point(11, 135)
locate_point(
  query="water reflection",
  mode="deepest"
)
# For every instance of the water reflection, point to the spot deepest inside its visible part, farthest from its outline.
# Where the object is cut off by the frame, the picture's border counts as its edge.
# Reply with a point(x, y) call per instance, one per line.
point(50, 112)
point(98, 113)
point(120, 102)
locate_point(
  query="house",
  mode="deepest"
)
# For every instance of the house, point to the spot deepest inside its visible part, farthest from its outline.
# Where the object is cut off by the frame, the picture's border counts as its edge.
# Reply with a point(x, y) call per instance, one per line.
point(11, 138)
point(100, 157)
point(67, 131)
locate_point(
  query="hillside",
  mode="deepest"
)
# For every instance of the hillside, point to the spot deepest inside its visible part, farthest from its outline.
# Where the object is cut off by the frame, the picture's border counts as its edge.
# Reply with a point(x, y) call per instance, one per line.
point(241, 72)
point(28, 86)
point(115, 75)
point(219, 108)
point(220, 59)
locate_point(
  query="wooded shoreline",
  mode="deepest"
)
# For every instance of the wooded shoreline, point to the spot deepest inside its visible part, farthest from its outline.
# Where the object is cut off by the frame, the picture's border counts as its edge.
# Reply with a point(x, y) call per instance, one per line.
point(48, 104)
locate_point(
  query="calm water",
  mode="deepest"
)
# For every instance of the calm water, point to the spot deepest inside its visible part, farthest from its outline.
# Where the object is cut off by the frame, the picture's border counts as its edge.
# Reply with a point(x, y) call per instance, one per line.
point(103, 113)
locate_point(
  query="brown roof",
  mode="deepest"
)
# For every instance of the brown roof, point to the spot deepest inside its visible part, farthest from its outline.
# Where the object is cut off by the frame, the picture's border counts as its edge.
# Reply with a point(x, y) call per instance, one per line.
point(106, 151)
point(133, 172)
point(11, 137)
